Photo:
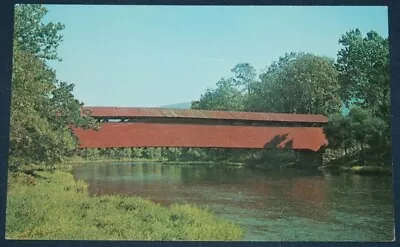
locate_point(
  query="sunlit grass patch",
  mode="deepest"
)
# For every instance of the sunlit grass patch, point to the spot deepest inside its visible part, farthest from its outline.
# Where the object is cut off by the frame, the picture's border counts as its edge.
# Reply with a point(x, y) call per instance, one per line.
point(55, 206)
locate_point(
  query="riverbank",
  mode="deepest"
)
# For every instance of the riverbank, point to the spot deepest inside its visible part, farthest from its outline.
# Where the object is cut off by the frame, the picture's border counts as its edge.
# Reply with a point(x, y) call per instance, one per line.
point(360, 170)
point(79, 160)
point(368, 164)
point(333, 165)
point(367, 170)
point(76, 160)
point(52, 205)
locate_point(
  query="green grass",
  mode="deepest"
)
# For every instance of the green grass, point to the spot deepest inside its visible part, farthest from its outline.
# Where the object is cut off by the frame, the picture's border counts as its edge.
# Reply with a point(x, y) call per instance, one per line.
point(52, 205)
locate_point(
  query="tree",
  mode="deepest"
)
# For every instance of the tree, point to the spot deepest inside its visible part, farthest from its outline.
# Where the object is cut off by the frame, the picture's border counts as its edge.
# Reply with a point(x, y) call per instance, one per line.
point(122, 153)
point(42, 108)
point(367, 130)
point(363, 66)
point(152, 153)
point(89, 153)
point(338, 132)
point(33, 138)
point(32, 35)
point(172, 153)
point(225, 97)
point(64, 110)
point(136, 152)
point(245, 76)
point(298, 83)
point(360, 129)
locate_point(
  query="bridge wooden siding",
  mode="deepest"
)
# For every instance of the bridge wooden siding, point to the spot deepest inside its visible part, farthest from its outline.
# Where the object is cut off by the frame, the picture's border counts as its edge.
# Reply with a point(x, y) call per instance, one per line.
point(239, 133)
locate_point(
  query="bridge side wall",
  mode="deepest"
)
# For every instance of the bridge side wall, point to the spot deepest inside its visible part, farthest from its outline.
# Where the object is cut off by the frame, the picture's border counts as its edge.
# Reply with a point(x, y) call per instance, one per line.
point(190, 135)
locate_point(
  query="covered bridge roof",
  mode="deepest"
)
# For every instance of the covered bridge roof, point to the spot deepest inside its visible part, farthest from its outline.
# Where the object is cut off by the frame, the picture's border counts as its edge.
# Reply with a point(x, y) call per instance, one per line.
point(132, 112)
point(197, 135)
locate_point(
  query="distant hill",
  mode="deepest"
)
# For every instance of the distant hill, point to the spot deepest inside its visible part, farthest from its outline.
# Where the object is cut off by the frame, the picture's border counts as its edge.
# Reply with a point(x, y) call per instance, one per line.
point(185, 105)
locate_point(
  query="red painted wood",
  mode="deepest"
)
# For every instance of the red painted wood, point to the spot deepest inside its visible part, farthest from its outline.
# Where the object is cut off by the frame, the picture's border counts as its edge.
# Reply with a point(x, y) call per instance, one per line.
point(197, 135)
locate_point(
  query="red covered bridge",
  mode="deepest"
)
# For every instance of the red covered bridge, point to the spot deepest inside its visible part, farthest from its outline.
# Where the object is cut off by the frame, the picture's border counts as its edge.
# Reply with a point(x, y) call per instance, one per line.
point(155, 127)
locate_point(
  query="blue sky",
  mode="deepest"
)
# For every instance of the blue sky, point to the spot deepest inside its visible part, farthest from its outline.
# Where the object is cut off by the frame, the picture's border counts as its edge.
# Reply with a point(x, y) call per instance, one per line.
point(150, 56)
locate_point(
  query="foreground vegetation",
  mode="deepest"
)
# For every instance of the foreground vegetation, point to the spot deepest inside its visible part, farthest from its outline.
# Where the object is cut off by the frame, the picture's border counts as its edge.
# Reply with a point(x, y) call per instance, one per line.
point(51, 205)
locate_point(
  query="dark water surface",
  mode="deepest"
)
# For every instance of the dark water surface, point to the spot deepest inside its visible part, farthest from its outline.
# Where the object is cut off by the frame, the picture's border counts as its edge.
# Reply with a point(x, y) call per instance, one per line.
point(272, 205)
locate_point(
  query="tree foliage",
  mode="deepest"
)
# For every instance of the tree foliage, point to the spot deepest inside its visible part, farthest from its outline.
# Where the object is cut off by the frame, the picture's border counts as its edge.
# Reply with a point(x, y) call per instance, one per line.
point(34, 36)
point(360, 130)
point(367, 129)
point(309, 84)
point(338, 132)
point(363, 67)
point(152, 153)
point(226, 97)
point(298, 83)
point(42, 108)
point(245, 76)
point(172, 153)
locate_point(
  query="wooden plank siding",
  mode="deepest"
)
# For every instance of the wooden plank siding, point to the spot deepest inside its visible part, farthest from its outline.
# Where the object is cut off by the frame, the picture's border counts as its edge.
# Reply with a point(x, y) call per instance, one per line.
point(197, 135)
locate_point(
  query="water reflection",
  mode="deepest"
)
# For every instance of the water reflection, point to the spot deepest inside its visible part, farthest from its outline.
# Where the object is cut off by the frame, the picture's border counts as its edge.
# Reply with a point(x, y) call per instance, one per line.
point(270, 204)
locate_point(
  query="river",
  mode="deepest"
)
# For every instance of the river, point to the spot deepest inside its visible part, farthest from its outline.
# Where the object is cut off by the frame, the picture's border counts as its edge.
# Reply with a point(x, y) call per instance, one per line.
point(270, 205)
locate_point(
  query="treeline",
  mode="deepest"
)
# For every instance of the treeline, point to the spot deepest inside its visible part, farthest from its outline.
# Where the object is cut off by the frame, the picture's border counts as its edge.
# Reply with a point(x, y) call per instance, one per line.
point(189, 154)
point(358, 80)
point(42, 107)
